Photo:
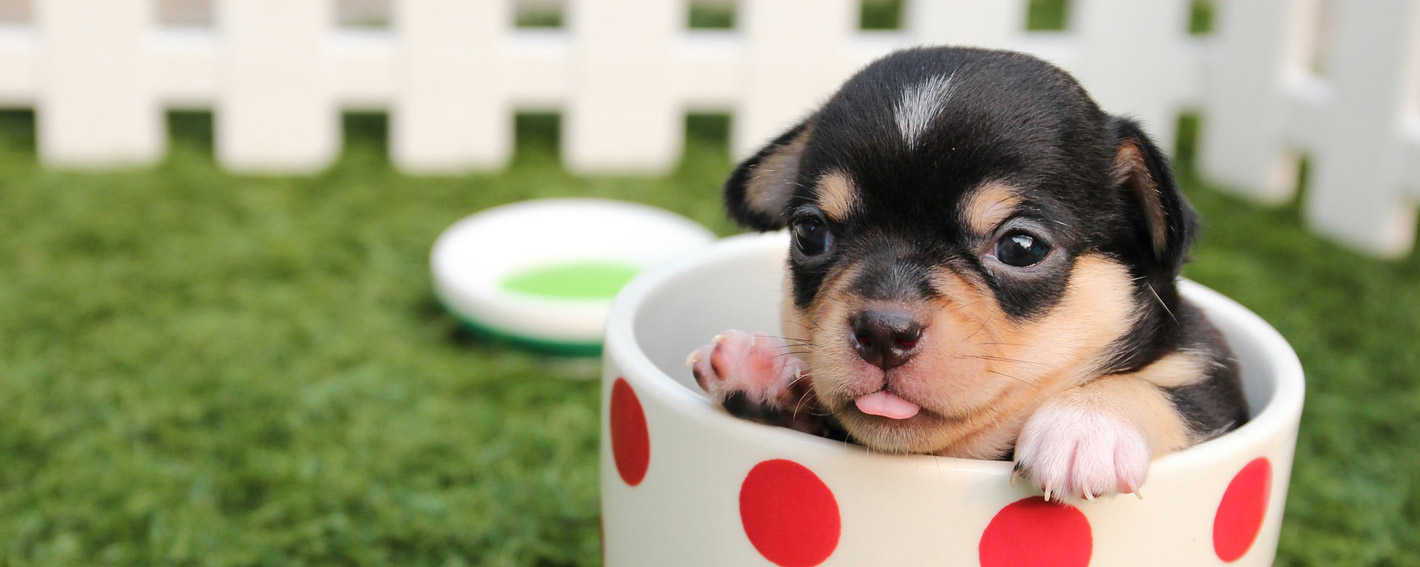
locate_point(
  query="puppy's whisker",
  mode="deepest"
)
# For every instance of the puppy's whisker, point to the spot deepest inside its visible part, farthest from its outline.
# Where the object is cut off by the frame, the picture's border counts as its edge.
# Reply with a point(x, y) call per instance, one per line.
point(1161, 302)
point(999, 359)
point(802, 398)
point(814, 326)
point(999, 373)
point(973, 333)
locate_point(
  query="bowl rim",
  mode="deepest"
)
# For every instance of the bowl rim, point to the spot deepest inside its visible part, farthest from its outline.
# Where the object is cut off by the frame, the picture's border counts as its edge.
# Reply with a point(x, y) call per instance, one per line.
point(1282, 411)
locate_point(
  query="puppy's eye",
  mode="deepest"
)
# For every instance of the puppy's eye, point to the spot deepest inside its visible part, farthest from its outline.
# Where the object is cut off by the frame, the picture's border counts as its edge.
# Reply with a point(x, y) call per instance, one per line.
point(1021, 249)
point(811, 236)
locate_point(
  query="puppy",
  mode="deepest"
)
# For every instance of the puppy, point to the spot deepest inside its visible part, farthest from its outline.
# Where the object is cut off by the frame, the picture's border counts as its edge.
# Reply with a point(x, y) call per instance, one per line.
point(983, 264)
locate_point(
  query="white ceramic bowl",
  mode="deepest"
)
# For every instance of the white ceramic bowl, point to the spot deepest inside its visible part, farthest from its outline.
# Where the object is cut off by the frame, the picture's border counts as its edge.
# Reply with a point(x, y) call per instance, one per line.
point(472, 261)
point(686, 484)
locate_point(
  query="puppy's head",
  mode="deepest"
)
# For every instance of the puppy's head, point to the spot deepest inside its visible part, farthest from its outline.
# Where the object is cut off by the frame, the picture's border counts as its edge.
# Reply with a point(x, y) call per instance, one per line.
point(970, 233)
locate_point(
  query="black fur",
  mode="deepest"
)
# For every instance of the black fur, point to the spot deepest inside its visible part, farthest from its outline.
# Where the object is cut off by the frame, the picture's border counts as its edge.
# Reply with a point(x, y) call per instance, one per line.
point(1215, 404)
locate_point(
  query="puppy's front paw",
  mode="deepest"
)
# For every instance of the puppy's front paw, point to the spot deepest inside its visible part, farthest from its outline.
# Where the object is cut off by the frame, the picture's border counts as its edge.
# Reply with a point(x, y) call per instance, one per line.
point(753, 376)
point(1073, 453)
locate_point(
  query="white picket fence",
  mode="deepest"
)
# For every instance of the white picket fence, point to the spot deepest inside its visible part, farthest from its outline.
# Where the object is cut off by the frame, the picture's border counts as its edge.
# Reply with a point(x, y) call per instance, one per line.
point(101, 75)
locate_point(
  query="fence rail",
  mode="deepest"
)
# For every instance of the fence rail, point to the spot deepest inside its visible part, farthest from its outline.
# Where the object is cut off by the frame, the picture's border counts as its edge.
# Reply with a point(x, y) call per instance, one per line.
point(101, 75)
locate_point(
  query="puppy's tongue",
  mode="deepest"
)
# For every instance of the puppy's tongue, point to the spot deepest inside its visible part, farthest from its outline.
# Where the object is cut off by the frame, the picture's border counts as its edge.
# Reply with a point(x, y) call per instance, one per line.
point(887, 405)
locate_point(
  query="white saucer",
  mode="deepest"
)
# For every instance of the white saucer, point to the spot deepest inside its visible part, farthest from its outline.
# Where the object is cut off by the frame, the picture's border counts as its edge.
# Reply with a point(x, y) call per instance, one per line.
point(542, 273)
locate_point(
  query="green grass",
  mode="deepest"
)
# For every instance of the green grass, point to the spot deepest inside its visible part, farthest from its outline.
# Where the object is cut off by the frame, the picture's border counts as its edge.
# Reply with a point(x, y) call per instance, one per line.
point(205, 369)
point(1047, 15)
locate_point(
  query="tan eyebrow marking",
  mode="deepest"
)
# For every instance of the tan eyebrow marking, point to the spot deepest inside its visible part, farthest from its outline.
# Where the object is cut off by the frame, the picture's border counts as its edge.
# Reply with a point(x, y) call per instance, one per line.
point(837, 195)
point(989, 205)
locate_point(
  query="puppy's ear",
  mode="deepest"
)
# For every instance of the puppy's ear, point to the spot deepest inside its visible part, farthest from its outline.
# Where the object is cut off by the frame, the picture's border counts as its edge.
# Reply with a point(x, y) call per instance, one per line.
point(1163, 221)
point(759, 191)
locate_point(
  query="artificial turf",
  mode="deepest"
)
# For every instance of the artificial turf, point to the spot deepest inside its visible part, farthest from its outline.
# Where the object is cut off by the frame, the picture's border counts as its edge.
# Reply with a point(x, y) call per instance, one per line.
point(198, 368)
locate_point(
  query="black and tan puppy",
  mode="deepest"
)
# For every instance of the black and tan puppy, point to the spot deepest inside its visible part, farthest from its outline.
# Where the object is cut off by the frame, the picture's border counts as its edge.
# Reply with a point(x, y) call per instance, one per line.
point(983, 264)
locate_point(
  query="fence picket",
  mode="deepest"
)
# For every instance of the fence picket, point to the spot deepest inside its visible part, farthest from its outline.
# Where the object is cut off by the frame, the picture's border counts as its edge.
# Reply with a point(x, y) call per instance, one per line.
point(275, 110)
point(95, 70)
point(624, 114)
point(1243, 143)
point(995, 24)
point(451, 112)
point(19, 65)
point(1412, 160)
point(797, 53)
point(1134, 59)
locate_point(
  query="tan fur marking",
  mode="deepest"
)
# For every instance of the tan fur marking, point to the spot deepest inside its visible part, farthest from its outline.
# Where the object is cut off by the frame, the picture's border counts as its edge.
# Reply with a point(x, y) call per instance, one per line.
point(793, 322)
point(771, 183)
point(837, 195)
point(1174, 371)
point(988, 205)
point(819, 323)
point(1097, 308)
point(829, 314)
point(1132, 174)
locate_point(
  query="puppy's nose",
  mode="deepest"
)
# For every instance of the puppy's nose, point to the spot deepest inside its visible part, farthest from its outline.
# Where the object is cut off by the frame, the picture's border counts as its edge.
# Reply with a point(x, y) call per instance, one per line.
point(886, 337)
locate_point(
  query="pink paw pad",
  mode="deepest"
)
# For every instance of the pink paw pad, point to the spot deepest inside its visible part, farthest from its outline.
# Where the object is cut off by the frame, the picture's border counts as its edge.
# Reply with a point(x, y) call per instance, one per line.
point(762, 368)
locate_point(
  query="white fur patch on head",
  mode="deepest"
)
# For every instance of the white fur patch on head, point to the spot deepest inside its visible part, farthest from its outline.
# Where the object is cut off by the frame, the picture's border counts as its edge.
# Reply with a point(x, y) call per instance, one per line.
point(920, 104)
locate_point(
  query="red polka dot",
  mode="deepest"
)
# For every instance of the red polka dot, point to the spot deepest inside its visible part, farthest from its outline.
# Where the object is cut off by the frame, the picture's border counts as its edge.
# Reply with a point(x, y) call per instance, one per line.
point(789, 514)
point(1035, 533)
point(630, 441)
point(1240, 514)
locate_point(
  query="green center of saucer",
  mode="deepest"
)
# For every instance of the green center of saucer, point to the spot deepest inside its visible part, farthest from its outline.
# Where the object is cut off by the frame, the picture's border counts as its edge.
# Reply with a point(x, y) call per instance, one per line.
point(575, 280)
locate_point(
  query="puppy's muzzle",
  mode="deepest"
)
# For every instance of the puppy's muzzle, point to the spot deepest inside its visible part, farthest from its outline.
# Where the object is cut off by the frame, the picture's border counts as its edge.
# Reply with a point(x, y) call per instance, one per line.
point(886, 337)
